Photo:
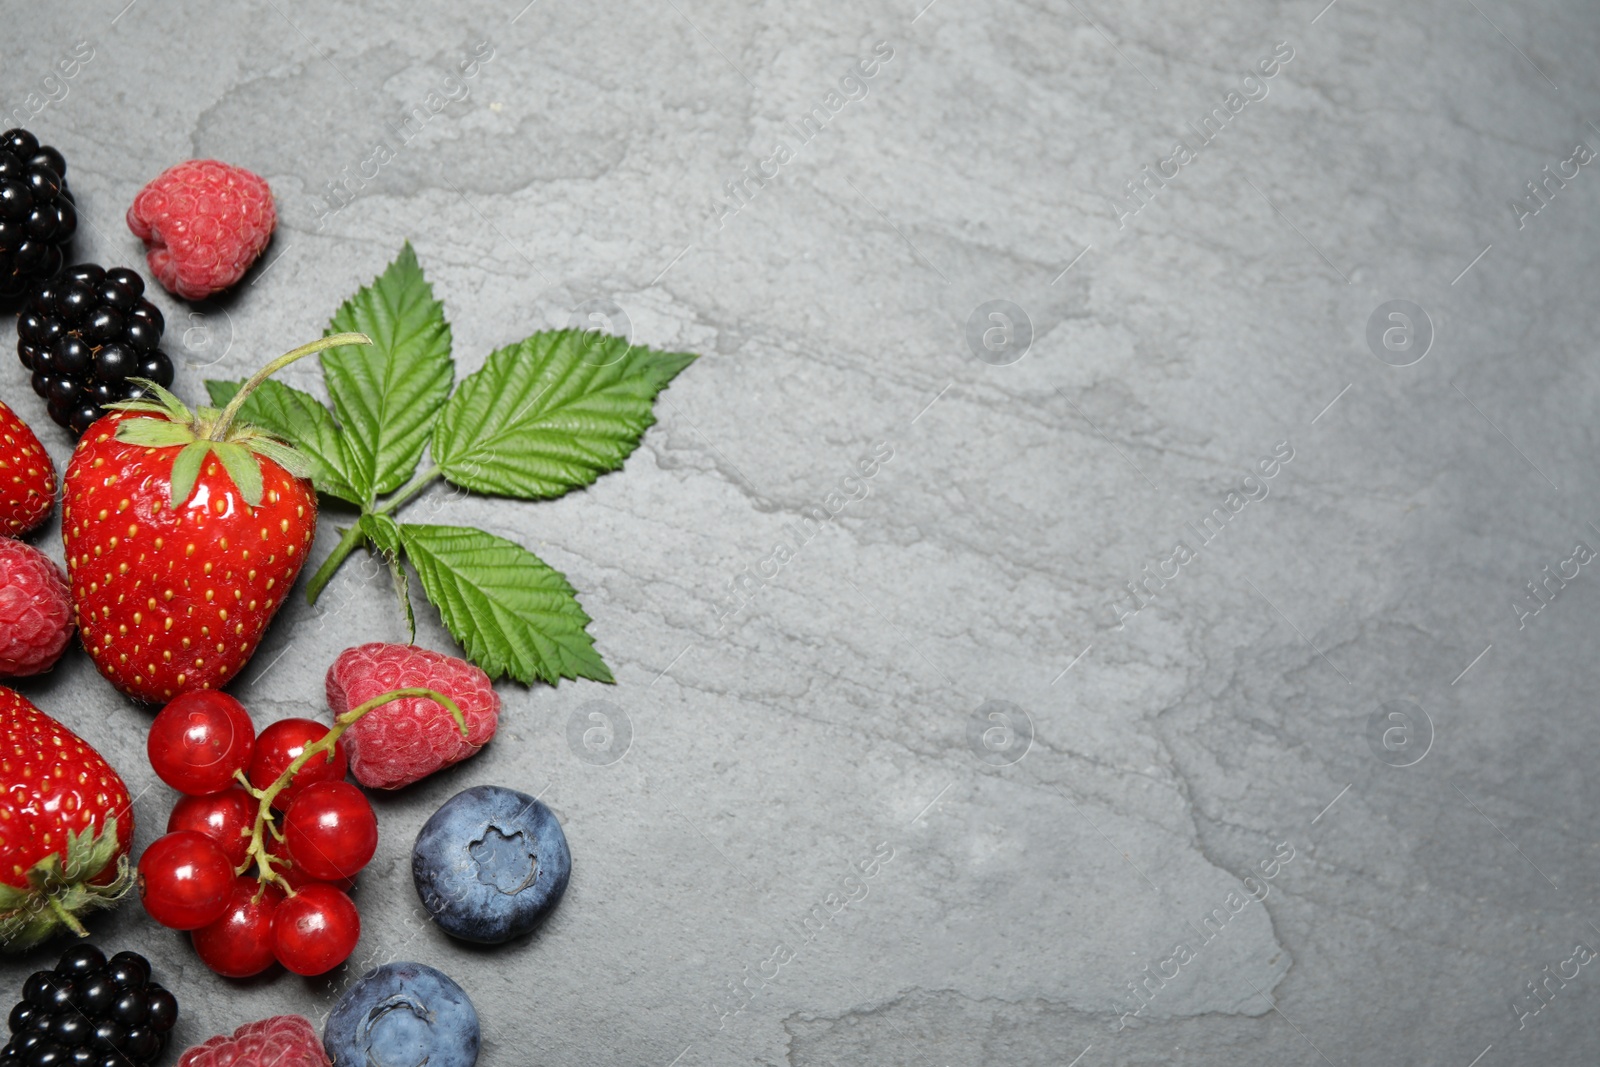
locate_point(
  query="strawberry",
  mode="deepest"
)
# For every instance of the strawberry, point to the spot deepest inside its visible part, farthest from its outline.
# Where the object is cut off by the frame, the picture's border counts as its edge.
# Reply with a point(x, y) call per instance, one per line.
point(184, 533)
point(65, 825)
point(27, 478)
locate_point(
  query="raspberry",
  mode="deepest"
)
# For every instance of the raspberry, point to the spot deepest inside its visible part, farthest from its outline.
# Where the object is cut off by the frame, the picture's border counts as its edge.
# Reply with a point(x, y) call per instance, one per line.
point(35, 614)
point(27, 479)
point(37, 216)
point(409, 739)
point(281, 1041)
point(84, 335)
point(205, 222)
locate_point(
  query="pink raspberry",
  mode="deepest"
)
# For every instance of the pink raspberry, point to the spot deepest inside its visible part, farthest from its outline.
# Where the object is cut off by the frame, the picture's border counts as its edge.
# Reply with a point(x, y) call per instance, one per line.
point(281, 1041)
point(35, 613)
point(204, 222)
point(408, 739)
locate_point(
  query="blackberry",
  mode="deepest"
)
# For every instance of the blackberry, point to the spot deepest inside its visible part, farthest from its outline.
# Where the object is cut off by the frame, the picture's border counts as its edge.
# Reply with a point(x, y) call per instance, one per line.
point(90, 1012)
point(37, 216)
point(84, 335)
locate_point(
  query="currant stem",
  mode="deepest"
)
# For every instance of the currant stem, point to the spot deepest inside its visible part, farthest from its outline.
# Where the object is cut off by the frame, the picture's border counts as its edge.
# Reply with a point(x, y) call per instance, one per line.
point(257, 851)
point(219, 431)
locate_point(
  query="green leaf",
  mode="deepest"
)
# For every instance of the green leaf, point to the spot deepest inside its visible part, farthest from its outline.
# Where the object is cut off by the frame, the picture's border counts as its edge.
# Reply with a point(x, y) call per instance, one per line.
point(510, 610)
point(551, 413)
point(154, 433)
point(243, 468)
point(385, 537)
point(143, 407)
point(186, 470)
point(164, 401)
point(294, 462)
point(387, 394)
point(301, 420)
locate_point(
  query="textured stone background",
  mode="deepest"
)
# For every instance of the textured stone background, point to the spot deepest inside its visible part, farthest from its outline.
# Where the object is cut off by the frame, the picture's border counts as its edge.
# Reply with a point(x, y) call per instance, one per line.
point(1146, 769)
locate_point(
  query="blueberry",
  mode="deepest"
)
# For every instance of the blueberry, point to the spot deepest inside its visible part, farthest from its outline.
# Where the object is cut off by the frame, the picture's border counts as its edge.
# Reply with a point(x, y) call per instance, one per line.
point(490, 863)
point(403, 1014)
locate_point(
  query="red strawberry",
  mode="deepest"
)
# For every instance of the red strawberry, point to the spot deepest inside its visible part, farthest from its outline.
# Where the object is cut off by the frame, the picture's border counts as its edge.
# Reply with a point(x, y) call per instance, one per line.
point(27, 478)
point(35, 615)
point(184, 534)
point(65, 825)
point(281, 1041)
point(204, 222)
point(173, 590)
point(407, 740)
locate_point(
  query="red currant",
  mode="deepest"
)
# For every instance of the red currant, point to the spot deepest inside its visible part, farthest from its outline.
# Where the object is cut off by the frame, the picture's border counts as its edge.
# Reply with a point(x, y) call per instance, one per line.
point(298, 878)
point(280, 744)
point(315, 930)
point(185, 880)
point(200, 740)
point(331, 830)
point(228, 818)
point(239, 944)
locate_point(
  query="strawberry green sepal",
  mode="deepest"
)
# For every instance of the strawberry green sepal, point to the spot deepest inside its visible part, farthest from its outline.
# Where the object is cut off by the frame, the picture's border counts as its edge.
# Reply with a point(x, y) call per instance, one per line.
point(166, 422)
point(59, 889)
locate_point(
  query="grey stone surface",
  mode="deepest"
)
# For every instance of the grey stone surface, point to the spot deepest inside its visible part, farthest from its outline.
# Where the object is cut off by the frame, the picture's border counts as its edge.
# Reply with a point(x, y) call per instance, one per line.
point(844, 712)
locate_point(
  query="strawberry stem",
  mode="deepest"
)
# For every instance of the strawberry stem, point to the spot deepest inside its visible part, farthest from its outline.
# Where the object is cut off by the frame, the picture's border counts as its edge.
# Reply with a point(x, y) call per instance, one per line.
point(69, 920)
point(219, 431)
point(257, 852)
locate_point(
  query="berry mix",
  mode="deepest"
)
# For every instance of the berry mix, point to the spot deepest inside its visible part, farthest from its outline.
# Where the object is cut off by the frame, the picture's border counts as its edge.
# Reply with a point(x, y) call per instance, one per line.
point(274, 804)
point(185, 530)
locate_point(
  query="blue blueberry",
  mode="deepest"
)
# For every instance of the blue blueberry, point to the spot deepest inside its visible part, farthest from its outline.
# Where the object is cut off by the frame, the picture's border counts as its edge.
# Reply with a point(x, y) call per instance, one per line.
point(489, 863)
point(403, 1015)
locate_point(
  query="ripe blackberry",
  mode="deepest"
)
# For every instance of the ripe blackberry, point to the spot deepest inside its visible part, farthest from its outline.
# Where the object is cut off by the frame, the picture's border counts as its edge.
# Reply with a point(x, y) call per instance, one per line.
point(84, 335)
point(37, 217)
point(90, 1012)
